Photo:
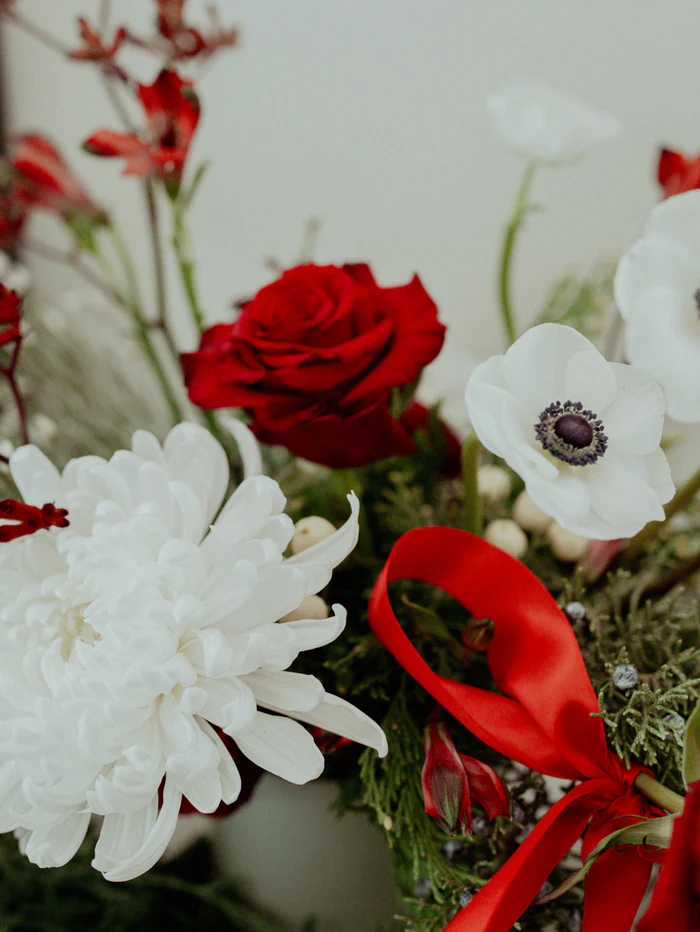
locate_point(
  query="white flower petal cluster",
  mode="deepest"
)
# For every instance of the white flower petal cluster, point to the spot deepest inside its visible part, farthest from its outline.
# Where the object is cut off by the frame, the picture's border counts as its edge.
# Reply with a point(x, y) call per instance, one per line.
point(543, 125)
point(657, 289)
point(583, 433)
point(127, 637)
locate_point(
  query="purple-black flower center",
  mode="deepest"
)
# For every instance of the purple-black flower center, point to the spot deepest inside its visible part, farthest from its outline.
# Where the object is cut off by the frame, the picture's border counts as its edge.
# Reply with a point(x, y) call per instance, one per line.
point(697, 300)
point(571, 433)
point(575, 430)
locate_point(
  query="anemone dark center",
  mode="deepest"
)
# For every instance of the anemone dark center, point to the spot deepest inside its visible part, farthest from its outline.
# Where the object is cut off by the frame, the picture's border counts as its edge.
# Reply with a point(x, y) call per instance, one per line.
point(575, 430)
point(571, 433)
point(697, 300)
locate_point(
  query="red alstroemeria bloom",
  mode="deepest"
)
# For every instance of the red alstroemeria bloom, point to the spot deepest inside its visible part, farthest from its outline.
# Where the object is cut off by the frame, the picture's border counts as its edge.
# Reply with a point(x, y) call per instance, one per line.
point(28, 519)
point(450, 781)
point(13, 213)
point(184, 40)
point(43, 179)
point(314, 357)
point(676, 173)
point(95, 49)
point(10, 306)
point(172, 113)
point(675, 905)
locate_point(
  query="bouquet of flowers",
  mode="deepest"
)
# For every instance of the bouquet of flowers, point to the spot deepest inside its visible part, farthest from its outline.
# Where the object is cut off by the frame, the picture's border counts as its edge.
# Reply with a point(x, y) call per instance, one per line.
point(271, 554)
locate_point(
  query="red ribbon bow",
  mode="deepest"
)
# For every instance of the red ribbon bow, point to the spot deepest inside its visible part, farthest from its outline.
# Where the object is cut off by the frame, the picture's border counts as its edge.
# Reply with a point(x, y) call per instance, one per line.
point(543, 719)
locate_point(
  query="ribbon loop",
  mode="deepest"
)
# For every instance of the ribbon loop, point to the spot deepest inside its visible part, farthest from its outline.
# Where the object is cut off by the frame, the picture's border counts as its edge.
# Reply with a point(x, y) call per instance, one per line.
point(544, 718)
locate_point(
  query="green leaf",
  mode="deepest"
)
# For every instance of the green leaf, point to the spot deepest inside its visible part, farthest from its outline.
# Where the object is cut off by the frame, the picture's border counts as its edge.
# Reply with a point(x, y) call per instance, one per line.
point(655, 833)
point(426, 620)
point(691, 749)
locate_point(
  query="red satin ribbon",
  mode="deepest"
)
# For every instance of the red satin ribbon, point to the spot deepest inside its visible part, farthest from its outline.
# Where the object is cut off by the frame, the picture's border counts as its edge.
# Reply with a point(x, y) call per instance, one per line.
point(543, 719)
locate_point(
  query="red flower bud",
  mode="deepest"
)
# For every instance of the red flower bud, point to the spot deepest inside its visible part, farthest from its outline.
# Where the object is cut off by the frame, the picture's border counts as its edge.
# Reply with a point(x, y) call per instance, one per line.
point(444, 781)
point(450, 781)
point(486, 787)
point(477, 634)
point(10, 305)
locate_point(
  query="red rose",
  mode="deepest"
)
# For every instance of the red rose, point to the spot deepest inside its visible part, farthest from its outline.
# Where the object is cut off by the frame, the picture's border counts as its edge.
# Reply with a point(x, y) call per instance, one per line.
point(676, 173)
point(314, 357)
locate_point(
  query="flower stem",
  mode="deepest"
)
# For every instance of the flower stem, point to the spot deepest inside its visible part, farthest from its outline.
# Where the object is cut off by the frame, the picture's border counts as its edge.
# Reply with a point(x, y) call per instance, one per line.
point(73, 260)
point(473, 518)
point(32, 29)
point(131, 302)
point(658, 793)
point(509, 240)
point(680, 500)
point(181, 244)
point(156, 250)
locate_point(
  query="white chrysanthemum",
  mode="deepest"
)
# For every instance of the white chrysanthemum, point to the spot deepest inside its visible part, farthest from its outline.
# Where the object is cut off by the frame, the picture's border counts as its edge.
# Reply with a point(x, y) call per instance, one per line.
point(543, 125)
point(125, 637)
point(657, 289)
point(583, 433)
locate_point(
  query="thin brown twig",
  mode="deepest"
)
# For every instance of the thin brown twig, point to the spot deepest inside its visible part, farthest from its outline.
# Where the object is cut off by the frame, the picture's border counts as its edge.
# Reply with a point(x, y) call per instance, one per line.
point(9, 373)
point(38, 32)
point(73, 261)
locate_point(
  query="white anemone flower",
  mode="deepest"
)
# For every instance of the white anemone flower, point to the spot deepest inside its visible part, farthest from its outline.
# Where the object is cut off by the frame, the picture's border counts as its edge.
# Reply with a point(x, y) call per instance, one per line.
point(129, 636)
point(657, 289)
point(583, 433)
point(544, 125)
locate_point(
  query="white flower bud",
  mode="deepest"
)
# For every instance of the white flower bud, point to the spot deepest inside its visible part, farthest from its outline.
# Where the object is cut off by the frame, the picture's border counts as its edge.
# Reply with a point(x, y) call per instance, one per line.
point(530, 516)
point(43, 430)
point(494, 483)
point(312, 607)
point(564, 545)
point(310, 531)
point(507, 535)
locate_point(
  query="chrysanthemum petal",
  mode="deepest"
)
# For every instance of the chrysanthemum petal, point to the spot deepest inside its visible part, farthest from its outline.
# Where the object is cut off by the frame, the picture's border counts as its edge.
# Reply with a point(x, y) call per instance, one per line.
point(318, 561)
point(248, 446)
point(282, 690)
point(341, 718)
point(140, 842)
point(283, 747)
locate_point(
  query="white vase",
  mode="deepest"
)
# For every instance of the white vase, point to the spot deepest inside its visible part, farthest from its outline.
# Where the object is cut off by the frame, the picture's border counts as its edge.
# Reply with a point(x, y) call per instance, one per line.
point(296, 858)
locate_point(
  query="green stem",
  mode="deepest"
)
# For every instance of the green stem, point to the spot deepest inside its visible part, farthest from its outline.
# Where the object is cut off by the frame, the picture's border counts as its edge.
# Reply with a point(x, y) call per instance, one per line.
point(509, 240)
point(658, 793)
point(473, 518)
point(181, 244)
point(144, 336)
point(680, 500)
point(157, 251)
point(131, 301)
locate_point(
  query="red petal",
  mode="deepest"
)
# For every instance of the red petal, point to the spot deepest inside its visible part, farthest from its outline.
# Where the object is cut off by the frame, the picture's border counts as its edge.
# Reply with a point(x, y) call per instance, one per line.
point(343, 442)
point(444, 780)
point(670, 163)
point(486, 787)
point(418, 337)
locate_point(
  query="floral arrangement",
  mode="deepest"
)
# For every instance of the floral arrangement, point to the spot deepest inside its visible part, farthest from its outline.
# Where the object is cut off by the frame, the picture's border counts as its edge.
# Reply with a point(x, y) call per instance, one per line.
point(495, 637)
